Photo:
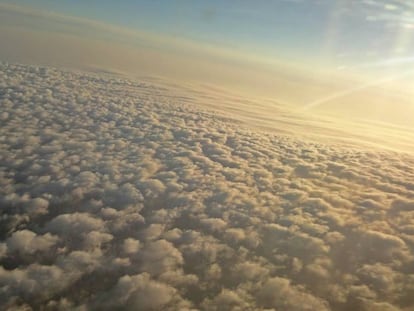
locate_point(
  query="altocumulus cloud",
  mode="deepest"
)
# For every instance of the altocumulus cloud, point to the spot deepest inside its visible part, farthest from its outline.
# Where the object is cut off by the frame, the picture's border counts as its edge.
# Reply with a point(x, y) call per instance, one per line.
point(116, 195)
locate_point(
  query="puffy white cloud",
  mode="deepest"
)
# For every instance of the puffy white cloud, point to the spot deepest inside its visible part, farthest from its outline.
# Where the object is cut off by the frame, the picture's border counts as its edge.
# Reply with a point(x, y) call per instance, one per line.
point(76, 223)
point(140, 292)
point(279, 293)
point(116, 194)
point(30, 283)
point(214, 224)
point(95, 239)
point(160, 256)
point(27, 242)
point(226, 300)
point(37, 205)
point(130, 246)
point(250, 271)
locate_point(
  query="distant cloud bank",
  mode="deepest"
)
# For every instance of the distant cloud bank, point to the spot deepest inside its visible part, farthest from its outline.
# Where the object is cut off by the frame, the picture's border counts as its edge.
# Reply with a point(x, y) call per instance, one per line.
point(116, 195)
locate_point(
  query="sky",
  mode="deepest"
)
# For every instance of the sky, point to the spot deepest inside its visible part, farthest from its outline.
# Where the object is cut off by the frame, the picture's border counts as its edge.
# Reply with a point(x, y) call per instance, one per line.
point(339, 54)
point(340, 33)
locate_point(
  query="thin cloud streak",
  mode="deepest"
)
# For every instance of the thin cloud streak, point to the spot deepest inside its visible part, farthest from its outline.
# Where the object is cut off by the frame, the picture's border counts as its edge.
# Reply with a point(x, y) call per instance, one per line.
point(353, 90)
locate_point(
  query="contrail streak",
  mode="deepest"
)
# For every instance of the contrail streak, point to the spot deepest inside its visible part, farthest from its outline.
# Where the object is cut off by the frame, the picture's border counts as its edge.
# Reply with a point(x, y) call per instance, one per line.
point(349, 91)
point(384, 63)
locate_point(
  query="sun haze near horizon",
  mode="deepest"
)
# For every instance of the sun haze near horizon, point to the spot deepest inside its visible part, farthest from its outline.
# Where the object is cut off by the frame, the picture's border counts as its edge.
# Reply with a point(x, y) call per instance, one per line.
point(353, 59)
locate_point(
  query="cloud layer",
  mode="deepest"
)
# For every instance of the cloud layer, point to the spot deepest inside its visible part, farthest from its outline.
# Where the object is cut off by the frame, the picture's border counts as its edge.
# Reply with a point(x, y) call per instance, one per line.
point(114, 194)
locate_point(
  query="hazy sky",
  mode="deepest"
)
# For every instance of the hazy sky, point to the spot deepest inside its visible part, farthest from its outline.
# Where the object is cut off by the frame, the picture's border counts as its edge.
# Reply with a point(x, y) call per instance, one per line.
point(340, 33)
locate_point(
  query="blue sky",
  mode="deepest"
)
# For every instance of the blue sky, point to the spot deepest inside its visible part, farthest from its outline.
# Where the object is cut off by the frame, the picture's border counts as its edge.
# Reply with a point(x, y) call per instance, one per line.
point(339, 33)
